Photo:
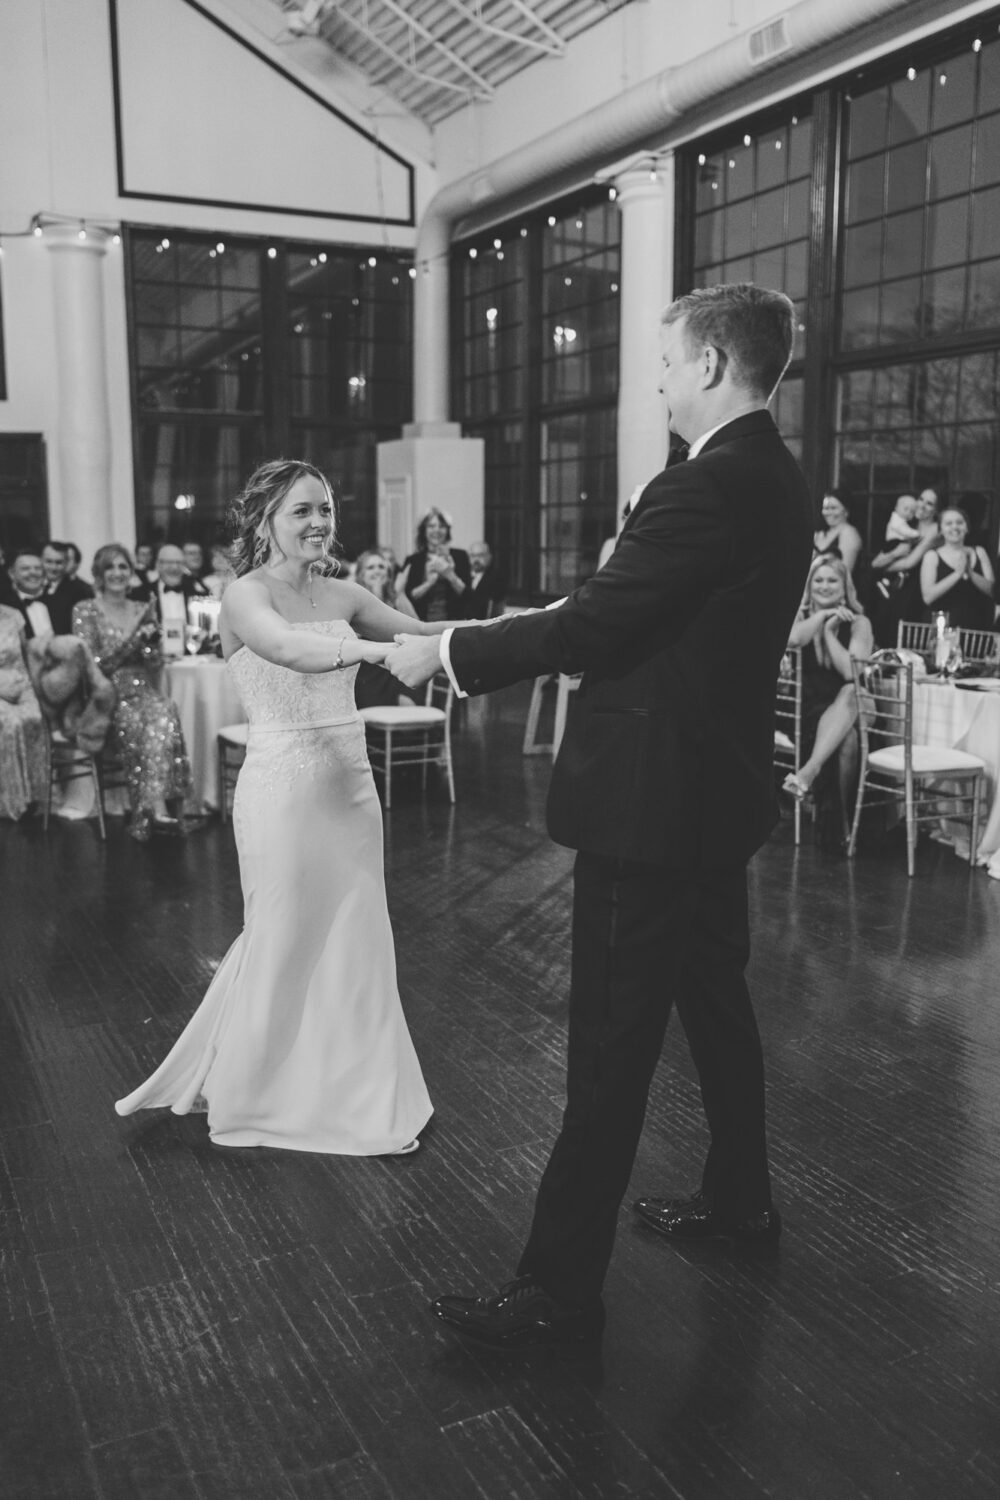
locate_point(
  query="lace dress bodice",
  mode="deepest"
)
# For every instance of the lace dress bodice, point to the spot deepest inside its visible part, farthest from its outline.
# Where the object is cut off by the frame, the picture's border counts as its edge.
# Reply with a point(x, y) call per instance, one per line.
point(277, 697)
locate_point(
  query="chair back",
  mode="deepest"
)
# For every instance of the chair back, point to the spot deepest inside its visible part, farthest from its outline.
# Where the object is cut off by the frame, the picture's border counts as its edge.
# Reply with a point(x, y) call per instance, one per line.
point(884, 689)
point(439, 693)
point(914, 635)
point(788, 722)
point(788, 712)
point(980, 646)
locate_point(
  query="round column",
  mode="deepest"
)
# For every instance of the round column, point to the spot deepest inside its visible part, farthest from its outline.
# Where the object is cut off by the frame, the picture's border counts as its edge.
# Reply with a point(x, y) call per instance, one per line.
point(80, 507)
point(646, 198)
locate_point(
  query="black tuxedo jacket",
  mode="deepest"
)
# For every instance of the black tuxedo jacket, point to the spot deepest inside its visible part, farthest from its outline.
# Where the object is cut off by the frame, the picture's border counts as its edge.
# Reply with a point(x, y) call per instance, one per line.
point(486, 599)
point(667, 755)
point(68, 591)
point(190, 587)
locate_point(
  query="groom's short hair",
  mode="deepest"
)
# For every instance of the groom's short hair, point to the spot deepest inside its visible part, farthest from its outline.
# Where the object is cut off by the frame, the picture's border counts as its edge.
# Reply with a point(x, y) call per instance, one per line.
point(754, 329)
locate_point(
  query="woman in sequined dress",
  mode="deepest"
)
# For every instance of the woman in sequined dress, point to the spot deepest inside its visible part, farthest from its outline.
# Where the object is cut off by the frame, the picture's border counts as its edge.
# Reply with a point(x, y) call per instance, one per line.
point(301, 1041)
point(23, 765)
point(124, 639)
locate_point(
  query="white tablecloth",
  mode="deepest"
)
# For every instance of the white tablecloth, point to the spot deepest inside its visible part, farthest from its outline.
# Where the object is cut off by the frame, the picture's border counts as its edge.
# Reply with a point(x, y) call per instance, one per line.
point(206, 700)
point(966, 719)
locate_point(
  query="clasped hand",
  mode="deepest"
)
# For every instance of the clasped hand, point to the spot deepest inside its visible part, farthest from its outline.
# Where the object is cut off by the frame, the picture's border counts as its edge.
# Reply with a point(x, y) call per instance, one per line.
point(414, 659)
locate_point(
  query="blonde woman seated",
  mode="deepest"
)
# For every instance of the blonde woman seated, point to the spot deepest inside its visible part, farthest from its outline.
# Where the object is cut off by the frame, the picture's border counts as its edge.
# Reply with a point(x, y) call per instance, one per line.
point(831, 630)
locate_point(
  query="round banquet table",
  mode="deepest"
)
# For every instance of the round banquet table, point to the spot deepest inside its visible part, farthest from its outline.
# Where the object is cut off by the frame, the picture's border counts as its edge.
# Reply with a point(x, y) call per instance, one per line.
point(966, 718)
point(206, 700)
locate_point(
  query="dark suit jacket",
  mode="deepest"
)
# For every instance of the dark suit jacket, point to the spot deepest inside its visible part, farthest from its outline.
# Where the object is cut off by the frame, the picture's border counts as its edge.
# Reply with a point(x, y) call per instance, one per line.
point(69, 591)
point(190, 587)
point(667, 755)
point(486, 599)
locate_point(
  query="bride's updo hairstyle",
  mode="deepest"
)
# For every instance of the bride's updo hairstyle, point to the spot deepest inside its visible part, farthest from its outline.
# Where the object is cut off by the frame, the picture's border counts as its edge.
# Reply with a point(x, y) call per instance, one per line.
point(253, 510)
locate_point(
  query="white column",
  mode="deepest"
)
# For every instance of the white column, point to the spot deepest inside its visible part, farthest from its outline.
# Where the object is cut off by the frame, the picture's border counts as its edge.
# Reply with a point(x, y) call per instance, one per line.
point(80, 505)
point(646, 197)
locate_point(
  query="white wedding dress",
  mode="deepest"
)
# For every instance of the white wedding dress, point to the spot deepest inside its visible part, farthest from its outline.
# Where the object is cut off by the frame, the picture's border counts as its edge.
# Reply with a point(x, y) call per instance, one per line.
point(300, 1041)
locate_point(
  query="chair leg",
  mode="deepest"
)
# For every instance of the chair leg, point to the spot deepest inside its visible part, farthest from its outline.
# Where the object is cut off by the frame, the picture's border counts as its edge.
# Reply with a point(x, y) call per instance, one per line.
point(911, 831)
point(223, 786)
point(852, 842)
point(51, 762)
point(974, 840)
point(530, 745)
point(98, 780)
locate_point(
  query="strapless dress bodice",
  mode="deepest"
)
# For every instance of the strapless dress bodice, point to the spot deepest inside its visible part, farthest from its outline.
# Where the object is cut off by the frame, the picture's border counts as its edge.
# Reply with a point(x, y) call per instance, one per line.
point(278, 697)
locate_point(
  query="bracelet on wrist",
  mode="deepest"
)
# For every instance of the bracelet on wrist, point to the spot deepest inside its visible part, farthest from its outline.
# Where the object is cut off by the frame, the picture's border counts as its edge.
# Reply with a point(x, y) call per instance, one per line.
point(339, 663)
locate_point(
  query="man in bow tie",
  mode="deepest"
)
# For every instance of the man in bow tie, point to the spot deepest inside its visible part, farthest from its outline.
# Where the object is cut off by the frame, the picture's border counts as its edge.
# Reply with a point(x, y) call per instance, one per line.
point(173, 588)
point(27, 577)
point(172, 577)
point(664, 786)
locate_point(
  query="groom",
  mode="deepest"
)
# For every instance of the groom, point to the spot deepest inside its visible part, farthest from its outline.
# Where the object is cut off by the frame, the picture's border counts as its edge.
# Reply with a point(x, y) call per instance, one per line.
point(664, 786)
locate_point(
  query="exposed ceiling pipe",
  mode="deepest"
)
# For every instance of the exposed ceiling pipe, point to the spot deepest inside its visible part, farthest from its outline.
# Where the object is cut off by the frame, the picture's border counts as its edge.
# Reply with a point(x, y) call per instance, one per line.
point(622, 124)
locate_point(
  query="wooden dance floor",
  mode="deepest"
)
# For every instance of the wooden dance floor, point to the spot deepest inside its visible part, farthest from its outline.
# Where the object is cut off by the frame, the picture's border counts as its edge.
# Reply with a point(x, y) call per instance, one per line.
point(182, 1323)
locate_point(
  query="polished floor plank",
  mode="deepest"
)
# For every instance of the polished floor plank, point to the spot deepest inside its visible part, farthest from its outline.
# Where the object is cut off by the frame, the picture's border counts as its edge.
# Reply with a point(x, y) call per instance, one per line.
point(181, 1321)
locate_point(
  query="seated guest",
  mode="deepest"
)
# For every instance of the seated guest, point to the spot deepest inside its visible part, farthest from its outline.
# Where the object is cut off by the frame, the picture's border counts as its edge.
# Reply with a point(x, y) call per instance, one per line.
point(74, 557)
point(837, 537)
point(169, 595)
point(23, 753)
point(374, 687)
point(194, 559)
point(62, 589)
point(436, 576)
point(389, 553)
point(27, 577)
point(145, 570)
point(958, 578)
point(484, 596)
point(123, 636)
point(831, 630)
point(222, 574)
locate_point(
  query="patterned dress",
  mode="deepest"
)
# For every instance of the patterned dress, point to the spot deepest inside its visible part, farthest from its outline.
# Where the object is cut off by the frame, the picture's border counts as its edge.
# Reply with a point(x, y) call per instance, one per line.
point(146, 729)
point(22, 733)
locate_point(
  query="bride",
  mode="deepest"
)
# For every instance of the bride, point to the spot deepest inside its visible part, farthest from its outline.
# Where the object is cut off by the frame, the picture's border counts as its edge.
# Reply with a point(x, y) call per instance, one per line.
point(300, 1041)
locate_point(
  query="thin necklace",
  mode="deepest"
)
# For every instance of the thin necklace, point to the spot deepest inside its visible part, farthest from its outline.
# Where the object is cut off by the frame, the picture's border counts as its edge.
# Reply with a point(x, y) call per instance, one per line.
point(308, 595)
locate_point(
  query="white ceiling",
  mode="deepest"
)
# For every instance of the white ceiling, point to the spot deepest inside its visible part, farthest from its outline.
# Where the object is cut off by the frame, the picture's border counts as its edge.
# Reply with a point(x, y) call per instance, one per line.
point(434, 56)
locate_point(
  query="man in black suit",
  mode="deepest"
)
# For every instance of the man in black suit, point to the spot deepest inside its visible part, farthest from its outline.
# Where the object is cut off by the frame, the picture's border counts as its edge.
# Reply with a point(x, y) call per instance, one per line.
point(61, 590)
point(27, 593)
point(484, 596)
point(172, 577)
point(664, 786)
point(170, 592)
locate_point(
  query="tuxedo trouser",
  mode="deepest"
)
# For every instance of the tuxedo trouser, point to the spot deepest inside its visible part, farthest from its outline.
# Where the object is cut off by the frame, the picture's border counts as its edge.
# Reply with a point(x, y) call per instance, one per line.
point(646, 938)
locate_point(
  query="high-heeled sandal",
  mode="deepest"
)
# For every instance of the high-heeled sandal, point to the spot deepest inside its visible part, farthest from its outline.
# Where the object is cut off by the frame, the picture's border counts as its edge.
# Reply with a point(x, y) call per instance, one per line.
point(796, 788)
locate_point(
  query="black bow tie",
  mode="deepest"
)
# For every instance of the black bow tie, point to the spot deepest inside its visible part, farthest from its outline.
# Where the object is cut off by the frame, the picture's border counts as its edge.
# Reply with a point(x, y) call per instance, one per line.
point(173, 588)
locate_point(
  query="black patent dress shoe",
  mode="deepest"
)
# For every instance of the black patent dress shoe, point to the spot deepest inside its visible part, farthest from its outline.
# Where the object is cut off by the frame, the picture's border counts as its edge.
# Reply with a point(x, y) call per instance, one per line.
point(642, 1206)
point(522, 1317)
point(698, 1220)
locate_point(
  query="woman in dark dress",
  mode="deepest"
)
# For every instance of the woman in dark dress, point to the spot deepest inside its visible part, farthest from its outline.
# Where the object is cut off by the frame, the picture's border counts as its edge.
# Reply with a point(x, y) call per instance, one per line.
point(831, 629)
point(837, 537)
point(436, 576)
point(958, 578)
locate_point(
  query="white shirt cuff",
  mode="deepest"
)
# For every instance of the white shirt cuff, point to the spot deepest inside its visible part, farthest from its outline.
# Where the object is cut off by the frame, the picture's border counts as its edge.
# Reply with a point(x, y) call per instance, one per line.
point(444, 651)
